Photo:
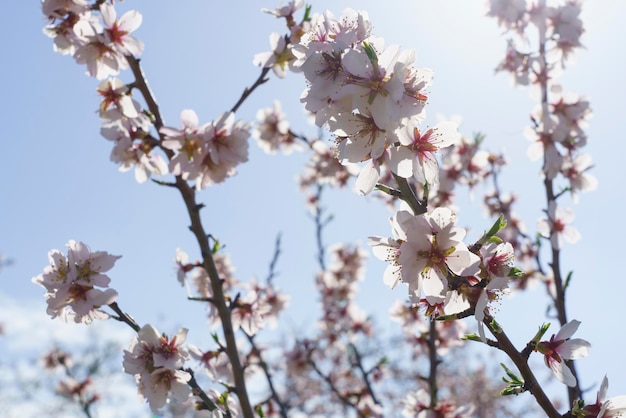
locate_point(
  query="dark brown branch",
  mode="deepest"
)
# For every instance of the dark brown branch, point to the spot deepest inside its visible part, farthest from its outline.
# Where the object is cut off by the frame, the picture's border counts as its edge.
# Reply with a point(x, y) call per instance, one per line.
point(365, 374)
point(122, 317)
point(188, 195)
point(521, 362)
point(434, 362)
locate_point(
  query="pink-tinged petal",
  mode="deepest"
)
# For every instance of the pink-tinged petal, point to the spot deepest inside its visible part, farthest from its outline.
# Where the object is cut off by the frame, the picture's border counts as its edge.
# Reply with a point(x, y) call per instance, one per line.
point(130, 21)
point(180, 389)
point(367, 179)
point(604, 388)
point(149, 334)
point(357, 63)
point(463, 263)
point(402, 162)
point(392, 275)
point(445, 134)
point(264, 59)
point(133, 46)
point(543, 227)
point(565, 215)
point(406, 134)
point(567, 330)
point(562, 373)
point(108, 14)
point(353, 151)
point(571, 235)
point(440, 218)
point(189, 119)
point(383, 248)
point(433, 283)
point(614, 407)
point(574, 348)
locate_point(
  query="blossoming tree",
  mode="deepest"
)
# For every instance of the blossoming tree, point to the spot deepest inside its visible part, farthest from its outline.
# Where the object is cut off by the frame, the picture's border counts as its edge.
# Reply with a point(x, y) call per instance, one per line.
point(372, 98)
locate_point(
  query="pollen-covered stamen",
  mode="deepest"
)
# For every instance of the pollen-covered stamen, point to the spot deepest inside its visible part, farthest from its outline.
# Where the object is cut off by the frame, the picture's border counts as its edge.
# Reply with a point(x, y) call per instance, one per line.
point(436, 257)
point(368, 129)
point(191, 147)
point(422, 144)
point(78, 292)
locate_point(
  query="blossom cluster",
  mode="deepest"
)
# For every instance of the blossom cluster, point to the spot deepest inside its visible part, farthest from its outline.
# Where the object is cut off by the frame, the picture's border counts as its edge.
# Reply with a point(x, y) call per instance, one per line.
point(156, 361)
point(209, 153)
point(370, 96)
point(99, 44)
point(72, 283)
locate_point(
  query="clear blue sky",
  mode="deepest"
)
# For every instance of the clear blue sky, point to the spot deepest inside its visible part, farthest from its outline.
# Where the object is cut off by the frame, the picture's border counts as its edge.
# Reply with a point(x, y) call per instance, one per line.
point(58, 183)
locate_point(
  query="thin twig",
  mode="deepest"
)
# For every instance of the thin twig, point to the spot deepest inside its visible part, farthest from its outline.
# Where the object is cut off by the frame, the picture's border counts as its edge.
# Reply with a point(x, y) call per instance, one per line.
point(268, 376)
point(521, 362)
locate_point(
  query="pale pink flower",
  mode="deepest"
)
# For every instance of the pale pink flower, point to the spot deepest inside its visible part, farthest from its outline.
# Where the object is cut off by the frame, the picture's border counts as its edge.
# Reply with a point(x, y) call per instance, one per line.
point(117, 32)
point(556, 226)
point(417, 405)
point(279, 58)
point(70, 24)
point(215, 363)
point(182, 266)
point(376, 85)
point(510, 14)
point(603, 407)
point(102, 60)
point(272, 131)
point(156, 360)
point(285, 10)
point(188, 143)
point(248, 313)
point(429, 248)
point(576, 172)
point(359, 138)
point(561, 347)
point(416, 155)
point(227, 147)
point(163, 383)
point(115, 93)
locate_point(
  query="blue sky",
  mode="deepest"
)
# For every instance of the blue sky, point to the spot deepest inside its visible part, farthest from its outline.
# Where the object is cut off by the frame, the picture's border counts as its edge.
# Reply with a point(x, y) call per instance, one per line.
point(58, 183)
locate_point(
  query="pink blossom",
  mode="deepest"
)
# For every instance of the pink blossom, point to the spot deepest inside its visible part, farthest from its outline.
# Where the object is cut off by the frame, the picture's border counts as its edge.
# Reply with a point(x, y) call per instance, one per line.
point(279, 58)
point(561, 347)
point(556, 226)
point(416, 155)
point(603, 407)
point(272, 132)
point(430, 248)
point(115, 93)
point(156, 360)
point(285, 10)
point(117, 32)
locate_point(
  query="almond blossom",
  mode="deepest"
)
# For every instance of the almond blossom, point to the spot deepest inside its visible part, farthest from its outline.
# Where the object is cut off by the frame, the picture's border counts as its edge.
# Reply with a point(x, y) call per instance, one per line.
point(115, 93)
point(72, 283)
point(117, 32)
point(272, 132)
point(426, 250)
point(416, 155)
point(556, 226)
point(561, 347)
point(156, 360)
point(209, 153)
point(279, 58)
point(603, 408)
